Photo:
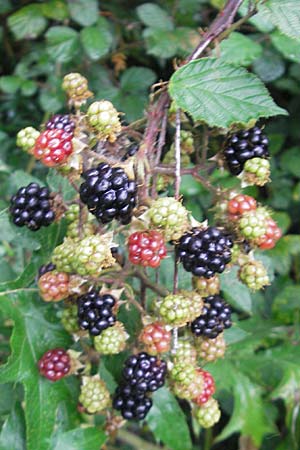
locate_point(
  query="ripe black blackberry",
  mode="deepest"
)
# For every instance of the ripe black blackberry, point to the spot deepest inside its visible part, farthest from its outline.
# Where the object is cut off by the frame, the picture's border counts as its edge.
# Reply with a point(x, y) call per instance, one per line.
point(244, 145)
point(131, 151)
point(95, 312)
point(108, 193)
point(46, 268)
point(31, 207)
point(131, 404)
point(204, 252)
point(61, 122)
point(215, 317)
point(144, 373)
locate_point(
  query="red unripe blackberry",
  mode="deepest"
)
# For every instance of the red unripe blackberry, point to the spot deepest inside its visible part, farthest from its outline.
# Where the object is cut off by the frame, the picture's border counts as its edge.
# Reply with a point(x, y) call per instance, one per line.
point(53, 147)
point(208, 390)
point(156, 338)
point(55, 364)
point(95, 312)
point(108, 193)
point(215, 317)
point(146, 248)
point(54, 286)
point(61, 122)
point(204, 252)
point(271, 236)
point(240, 204)
point(31, 207)
point(245, 145)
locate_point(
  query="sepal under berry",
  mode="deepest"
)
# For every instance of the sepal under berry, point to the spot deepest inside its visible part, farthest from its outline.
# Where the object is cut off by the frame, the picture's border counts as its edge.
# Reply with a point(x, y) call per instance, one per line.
point(208, 414)
point(112, 340)
point(256, 172)
point(26, 139)
point(94, 395)
point(104, 118)
point(169, 216)
point(254, 275)
point(179, 309)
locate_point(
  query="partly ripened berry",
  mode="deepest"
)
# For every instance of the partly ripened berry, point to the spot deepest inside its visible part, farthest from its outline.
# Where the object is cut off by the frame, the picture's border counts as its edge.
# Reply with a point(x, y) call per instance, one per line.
point(132, 405)
point(54, 286)
point(146, 248)
point(215, 317)
point(243, 146)
point(26, 138)
point(187, 383)
point(210, 350)
point(61, 122)
point(185, 351)
point(253, 225)
point(53, 147)
point(257, 172)
point(169, 216)
point(108, 193)
point(69, 319)
point(208, 389)
point(271, 236)
point(76, 86)
point(144, 372)
point(94, 395)
point(179, 309)
point(55, 364)
point(31, 207)
point(111, 340)
point(208, 414)
point(95, 312)
point(104, 118)
point(46, 268)
point(204, 252)
point(254, 275)
point(156, 338)
point(239, 205)
point(207, 286)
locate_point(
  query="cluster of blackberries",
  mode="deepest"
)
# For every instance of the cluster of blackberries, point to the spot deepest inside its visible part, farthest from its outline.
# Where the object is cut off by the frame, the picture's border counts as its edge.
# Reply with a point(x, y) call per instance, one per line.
point(204, 252)
point(215, 317)
point(108, 193)
point(95, 312)
point(31, 207)
point(244, 145)
point(142, 374)
point(61, 122)
point(46, 268)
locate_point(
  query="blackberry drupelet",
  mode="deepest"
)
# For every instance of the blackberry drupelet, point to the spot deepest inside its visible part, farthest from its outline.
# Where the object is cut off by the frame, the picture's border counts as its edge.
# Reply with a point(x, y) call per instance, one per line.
point(132, 405)
point(204, 252)
point(46, 268)
point(108, 193)
point(215, 317)
point(95, 312)
point(245, 145)
point(144, 372)
point(31, 207)
point(61, 122)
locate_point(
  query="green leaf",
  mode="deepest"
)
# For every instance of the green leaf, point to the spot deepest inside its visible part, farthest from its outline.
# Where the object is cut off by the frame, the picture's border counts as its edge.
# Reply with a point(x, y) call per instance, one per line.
point(57, 183)
point(80, 439)
point(235, 292)
point(84, 12)
point(269, 67)
point(62, 43)
point(13, 431)
point(96, 40)
point(167, 421)
point(55, 9)
point(286, 304)
point(239, 50)
point(290, 161)
point(28, 22)
point(33, 334)
point(258, 20)
point(155, 17)
point(221, 95)
point(285, 14)
point(10, 83)
point(137, 79)
point(168, 43)
point(290, 48)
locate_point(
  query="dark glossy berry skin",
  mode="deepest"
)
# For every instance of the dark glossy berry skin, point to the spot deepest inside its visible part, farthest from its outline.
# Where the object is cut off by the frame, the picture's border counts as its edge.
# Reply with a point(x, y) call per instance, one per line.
point(245, 145)
point(131, 151)
point(55, 364)
point(132, 405)
point(215, 317)
point(204, 252)
point(31, 207)
point(61, 122)
point(46, 268)
point(95, 312)
point(108, 193)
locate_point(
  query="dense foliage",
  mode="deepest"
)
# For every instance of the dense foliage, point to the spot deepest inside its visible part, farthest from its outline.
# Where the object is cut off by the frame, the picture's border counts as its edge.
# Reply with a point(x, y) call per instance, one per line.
point(248, 72)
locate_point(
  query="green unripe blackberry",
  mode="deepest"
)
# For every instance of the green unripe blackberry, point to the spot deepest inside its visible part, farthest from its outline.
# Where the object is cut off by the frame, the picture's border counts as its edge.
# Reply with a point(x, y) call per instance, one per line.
point(112, 340)
point(254, 275)
point(69, 319)
point(104, 118)
point(253, 225)
point(207, 286)
point(169, 216)
point(94, 395)
point(185, 351)
point(63, 255)
point(92, 254)
point(26, 138)
point(208, 414)
point(75, 85)
point(179, 309)
point(257, 171)
point(188, 382)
